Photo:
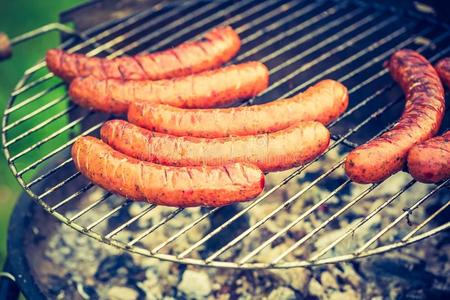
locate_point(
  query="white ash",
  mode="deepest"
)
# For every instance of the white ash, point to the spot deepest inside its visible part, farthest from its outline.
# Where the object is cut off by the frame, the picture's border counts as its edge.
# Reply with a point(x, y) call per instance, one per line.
point(282, 293)
point(195, 285)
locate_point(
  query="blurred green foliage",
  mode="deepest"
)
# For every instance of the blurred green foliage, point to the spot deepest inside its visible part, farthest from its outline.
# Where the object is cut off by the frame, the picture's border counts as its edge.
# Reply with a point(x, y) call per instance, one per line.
point(17, 17)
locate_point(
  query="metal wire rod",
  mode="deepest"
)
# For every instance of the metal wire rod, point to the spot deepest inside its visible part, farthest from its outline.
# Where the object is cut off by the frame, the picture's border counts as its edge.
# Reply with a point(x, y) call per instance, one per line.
point(107, 215)
point(21, 89)
point(280, 23)
point(45, 175)
point(156, 226)
point(328, 54)
point(161, 31)
point(317, 32)
point(183, 230)
point(71, 197)
point(53, 135)
point(282, 20)
point(57, 150)
point(32, 98)
point(427, 220)
point(272, 213)
point(359, 54)
point(398, 219)
point(296, 196)
point(186, 29)
point(324, 224)
point(146, 210)
point(41, 30)
point(303, 216)
point(41, 125)
point(90, 206)
point(43, 108)
point(354, 227)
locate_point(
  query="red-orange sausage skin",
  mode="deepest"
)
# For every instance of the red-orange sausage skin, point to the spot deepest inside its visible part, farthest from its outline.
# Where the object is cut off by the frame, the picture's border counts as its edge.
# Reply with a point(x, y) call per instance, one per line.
point(429, 162)
point(219, 87)
point(322, 102)
point(277, 151)
point(162, 185)
point(218, 46)
point(425, 104)
point(443, 69)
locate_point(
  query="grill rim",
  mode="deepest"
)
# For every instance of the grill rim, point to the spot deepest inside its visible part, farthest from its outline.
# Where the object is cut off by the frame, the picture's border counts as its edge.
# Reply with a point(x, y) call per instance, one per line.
point(201, 262)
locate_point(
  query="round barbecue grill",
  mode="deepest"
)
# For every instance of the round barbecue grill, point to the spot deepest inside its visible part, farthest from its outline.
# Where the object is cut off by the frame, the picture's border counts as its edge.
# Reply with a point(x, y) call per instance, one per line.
point(301, 42)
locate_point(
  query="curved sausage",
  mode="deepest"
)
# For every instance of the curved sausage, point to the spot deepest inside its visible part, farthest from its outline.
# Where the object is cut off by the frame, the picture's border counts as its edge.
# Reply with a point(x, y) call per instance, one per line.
point(322, 102)
point(443, 69)
point(217, 47)
point(208, 89)
point(171, 186)
point(430, 161)
point(383, 156)
point(277, 151)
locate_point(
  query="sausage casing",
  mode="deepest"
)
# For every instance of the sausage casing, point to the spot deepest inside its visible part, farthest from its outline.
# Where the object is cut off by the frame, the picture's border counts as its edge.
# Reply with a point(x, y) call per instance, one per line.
point(443, 69)
point(430, 161)
point(322, 102)
point(163, 185)
point(425, 104)
point(208, 89)
point(218, 46)
point(276, 151)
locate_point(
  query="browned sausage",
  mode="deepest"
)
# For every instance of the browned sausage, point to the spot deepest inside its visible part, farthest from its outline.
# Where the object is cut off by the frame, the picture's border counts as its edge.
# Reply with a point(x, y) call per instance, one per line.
point(386, 155)
point(208, 89)
point(218, 46)
point(322, 102)
point(277, 151)
point(430, 161)
point(443, 69)
point(171, 186)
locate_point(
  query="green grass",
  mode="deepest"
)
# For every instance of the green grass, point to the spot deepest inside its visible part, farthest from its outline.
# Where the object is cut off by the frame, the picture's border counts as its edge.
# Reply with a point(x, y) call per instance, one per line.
point(17, 17)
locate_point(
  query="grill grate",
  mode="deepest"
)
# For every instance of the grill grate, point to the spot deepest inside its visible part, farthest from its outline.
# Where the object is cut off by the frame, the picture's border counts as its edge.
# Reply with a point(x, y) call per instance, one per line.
point(301, 43)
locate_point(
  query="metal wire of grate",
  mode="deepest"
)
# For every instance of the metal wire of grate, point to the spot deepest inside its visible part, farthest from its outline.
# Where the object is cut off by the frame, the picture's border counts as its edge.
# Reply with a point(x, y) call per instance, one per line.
point(301, 42)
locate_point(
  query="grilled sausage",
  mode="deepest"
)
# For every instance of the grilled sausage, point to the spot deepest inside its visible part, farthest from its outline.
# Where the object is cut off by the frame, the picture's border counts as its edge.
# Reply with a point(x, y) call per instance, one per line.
point(443, 69)
point(218, 46)
point(430, 161)
point(322, 102)
point(277, 151)
point(424, 110)
point(163, 185)
point(208, 89)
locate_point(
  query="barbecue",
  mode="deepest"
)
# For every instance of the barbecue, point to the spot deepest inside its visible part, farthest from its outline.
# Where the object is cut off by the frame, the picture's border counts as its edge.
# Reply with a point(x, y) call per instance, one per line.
point(308, 216)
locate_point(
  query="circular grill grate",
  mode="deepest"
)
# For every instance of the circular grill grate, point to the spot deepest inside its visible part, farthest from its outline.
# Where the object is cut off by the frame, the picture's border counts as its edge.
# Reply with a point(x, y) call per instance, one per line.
point(307, 216)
